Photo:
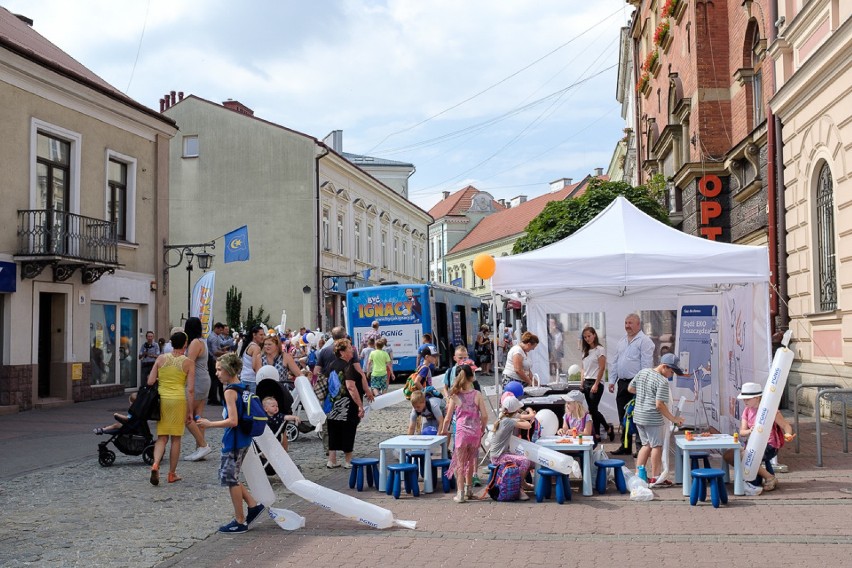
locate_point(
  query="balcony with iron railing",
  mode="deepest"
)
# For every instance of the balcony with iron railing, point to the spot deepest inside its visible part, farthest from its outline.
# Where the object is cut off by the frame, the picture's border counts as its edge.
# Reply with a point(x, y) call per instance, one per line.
point(65, 241)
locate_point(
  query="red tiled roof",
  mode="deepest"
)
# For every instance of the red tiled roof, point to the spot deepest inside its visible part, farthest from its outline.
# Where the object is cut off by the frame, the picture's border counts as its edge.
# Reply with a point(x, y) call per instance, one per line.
point(20, 38)
point(514, 221)
point(458, 203)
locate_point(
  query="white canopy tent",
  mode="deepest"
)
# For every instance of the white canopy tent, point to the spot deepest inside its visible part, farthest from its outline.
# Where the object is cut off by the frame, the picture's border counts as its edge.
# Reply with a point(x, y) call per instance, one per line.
point(624, 261)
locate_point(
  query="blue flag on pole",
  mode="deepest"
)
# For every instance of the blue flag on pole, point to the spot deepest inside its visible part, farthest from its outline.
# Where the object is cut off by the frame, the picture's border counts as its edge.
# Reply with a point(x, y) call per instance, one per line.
point(237, 245)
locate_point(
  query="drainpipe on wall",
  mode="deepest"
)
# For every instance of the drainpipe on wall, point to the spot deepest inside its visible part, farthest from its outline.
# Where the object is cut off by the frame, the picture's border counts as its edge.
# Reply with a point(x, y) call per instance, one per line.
point(318, 277)
point(783, 317)
point(636, 118)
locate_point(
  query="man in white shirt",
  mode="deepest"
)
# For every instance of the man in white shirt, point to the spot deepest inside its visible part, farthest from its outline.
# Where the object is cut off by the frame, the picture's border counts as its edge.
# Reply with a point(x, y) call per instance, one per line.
point(635, 352)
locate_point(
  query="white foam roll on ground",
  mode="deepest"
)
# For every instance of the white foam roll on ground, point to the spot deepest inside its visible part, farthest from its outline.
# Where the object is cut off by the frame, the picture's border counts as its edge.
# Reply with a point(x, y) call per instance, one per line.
point(388, 399)
point(309, 400)
point(256, 478)
point(545, 456)
point(772, 391)
point(347, 506)
point(278, 459)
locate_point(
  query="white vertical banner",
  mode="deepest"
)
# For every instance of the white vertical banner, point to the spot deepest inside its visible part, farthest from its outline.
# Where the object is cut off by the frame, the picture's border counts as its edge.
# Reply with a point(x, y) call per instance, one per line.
point(201, 304)
point(738, 347)
point(697, 346)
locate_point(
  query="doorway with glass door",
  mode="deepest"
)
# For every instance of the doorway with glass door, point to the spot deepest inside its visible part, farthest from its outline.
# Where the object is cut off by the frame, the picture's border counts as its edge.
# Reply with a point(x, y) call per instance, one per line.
point(114, 345)
point(51, 346)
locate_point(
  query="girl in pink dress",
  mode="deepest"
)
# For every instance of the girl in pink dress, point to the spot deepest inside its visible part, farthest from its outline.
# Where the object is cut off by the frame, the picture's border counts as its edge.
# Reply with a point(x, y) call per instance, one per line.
point(467, 407)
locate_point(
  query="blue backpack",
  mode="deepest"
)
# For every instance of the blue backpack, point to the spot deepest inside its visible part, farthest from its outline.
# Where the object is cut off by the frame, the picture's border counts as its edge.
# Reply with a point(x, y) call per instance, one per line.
point(506, 484)
point(334, 392)
point(251, 417)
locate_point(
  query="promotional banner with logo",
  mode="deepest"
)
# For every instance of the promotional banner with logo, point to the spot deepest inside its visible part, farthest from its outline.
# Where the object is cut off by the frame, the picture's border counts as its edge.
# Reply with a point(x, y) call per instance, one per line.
point(202, 301)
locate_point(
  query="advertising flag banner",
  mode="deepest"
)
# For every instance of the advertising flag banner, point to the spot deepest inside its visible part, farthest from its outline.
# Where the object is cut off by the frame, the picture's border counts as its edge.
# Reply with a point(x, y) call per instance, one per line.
point(202, 301)
point(237, 245)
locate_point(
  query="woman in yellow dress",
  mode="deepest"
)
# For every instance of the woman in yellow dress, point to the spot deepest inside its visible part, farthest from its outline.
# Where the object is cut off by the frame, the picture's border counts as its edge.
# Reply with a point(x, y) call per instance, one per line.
point(176, 376)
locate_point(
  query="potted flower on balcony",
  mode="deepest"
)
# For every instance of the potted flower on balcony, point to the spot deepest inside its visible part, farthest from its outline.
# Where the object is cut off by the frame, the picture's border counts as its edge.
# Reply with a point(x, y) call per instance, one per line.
point(651, 65)
point(662, 35)
point(644, 84)
point(673, 9)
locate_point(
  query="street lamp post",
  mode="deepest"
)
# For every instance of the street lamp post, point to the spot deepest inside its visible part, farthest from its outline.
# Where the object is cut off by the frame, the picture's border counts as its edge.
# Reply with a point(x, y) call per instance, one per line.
point(205, 261)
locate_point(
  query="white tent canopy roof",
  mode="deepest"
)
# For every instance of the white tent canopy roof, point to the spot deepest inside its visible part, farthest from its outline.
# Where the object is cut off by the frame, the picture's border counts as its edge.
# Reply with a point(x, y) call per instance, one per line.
point(623, 251)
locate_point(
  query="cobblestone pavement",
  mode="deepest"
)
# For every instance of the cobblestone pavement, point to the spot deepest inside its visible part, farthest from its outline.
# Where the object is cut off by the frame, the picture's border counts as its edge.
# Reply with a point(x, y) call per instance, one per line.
point(73, 512)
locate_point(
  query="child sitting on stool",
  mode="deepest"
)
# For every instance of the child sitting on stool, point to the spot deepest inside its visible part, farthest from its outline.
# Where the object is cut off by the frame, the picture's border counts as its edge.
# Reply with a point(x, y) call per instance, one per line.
point(781, 432)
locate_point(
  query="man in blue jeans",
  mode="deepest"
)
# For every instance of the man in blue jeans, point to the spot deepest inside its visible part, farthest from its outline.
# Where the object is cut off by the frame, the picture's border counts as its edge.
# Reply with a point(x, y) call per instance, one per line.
point(635, 352)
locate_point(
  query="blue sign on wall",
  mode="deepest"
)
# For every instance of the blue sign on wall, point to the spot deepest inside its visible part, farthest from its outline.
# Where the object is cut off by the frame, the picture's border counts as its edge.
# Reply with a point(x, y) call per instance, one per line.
point(8, 277)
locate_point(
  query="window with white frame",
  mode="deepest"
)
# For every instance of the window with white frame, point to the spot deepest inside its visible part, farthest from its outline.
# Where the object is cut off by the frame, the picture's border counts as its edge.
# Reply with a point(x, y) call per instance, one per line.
point(121, 195)
point(826, 269)
point(384, 245)
point(190, 146)
point(340, 233)
point(326, 231)
point(396, 253)
point(405, 257)
point(358, 240)
point(369, 243)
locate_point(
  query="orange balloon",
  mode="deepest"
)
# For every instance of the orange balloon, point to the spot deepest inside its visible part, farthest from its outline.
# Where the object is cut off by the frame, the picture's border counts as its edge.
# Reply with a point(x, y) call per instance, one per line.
point(484, 266)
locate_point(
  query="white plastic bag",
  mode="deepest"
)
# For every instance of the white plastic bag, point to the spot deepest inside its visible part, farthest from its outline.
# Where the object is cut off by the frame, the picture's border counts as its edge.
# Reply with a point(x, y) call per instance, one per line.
point(641, 494)
point(599, 454)
point(632, 480)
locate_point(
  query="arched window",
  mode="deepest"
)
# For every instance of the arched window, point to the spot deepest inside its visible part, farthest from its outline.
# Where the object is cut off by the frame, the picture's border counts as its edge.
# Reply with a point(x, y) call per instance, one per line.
point(825, 241)
point(757, 50)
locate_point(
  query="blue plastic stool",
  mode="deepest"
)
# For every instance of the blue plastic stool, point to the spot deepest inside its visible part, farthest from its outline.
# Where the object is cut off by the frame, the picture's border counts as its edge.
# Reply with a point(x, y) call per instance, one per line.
point(695, 456)
point(418, 456)
point(356, 476)
point(600, 482)
point(396, 471)
point(543, 482)
point(700, 478)
point(446, 483)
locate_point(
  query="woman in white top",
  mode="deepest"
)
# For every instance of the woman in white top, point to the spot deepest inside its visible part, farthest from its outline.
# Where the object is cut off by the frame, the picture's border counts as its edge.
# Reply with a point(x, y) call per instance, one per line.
point(518, 365)
point(594, 366)
point(251, 358)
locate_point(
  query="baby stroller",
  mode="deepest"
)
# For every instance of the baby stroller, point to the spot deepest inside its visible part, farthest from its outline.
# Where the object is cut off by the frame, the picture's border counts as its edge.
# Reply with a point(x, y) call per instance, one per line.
point(268, 386)
point(134, 437)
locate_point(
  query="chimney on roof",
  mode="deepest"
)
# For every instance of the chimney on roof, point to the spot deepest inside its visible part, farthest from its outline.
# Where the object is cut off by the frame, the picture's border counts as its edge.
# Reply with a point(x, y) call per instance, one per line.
point(24, 19)
point(558, 184)
point(334, 140)
point(517, 200)
point(598, 172)
point(237, 106)
point(502, 202)
point(446, 194)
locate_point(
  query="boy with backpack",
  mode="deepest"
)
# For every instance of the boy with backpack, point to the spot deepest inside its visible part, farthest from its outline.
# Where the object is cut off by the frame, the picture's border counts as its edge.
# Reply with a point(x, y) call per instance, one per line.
point(235, 443)
point(429, 409)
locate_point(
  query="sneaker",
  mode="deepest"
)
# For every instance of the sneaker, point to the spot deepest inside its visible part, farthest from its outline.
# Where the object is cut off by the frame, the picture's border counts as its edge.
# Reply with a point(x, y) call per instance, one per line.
point(191, 457)
point(203, 452)
point(234, 527)
point(347, 465)
point(769, 484)
point(752, 490)
point(253, 512)
point(330, 465)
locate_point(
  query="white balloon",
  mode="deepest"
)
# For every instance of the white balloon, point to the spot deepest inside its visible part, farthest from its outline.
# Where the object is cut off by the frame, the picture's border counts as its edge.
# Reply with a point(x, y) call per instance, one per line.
point(256, 477)
point(312, 338)
point(574, 372)
point(309, 399)
point(545, 456)
point(267, 372)
point(549, 422)
point(388, 399)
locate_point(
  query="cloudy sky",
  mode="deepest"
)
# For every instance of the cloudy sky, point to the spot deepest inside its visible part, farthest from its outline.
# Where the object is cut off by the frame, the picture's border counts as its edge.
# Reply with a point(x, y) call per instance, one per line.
point(506, 95)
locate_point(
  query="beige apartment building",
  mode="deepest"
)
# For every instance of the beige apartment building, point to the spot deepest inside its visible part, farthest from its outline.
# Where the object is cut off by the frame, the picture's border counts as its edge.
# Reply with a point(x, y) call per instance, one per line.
point(85, 185)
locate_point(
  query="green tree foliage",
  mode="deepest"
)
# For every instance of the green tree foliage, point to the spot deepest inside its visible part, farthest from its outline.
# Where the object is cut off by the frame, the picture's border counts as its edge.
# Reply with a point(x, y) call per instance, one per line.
point(253, 320)
point(233, 307)
point(560, 219)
